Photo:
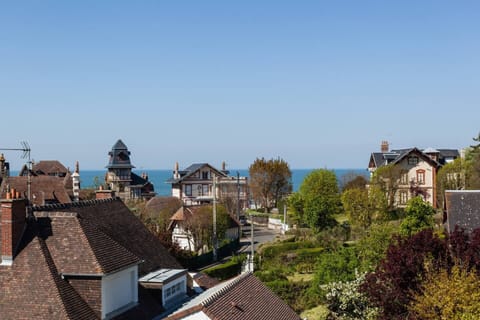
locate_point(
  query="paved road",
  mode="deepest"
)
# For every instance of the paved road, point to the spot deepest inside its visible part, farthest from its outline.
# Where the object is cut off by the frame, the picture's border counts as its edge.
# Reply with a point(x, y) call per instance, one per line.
point(260, 235)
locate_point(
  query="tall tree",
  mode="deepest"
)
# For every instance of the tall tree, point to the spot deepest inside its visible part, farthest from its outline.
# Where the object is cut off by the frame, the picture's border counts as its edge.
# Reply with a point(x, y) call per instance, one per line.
point(452, 176)
point(474, 176)
point(321, 198)
point(200, 226)
point(352, 180)
point(356, 205)
point(270, 180)
point(387, 179)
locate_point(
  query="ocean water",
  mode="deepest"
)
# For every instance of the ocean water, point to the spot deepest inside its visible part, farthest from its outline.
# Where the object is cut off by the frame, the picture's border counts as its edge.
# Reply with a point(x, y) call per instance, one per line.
point(158, 177)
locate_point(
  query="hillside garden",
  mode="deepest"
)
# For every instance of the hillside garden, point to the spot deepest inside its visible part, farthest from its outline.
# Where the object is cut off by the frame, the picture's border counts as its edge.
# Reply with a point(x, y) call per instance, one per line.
point(353, 255)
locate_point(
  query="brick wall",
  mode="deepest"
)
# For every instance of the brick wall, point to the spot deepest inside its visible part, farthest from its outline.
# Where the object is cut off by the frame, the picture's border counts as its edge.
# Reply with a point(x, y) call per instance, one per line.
point(12, 225)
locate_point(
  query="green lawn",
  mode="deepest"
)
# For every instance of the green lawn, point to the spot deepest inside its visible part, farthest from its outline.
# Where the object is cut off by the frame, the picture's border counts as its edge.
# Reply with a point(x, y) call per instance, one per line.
point(317, 313)
point(297, 277)
point(341, 218)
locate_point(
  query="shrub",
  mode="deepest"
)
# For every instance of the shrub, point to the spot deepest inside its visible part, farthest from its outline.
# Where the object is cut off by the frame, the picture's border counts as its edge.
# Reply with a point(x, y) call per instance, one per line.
point(334, 266)
point(227, 270)
point(346, 302)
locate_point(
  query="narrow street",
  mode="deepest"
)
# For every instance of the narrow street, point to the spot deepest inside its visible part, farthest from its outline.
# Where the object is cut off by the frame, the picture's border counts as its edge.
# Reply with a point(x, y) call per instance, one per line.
point(261, 234)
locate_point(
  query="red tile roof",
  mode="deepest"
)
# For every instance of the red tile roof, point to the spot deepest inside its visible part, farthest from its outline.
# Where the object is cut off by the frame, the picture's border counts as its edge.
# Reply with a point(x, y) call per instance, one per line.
point(113, 219)
point(43, 188)
point(79, 247)
point(33, 289)
point(83, 238)
point(49, 167)
point(244, 297)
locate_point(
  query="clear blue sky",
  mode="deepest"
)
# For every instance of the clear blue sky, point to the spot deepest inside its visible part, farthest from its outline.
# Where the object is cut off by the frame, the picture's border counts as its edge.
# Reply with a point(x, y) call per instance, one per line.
point(317, 83)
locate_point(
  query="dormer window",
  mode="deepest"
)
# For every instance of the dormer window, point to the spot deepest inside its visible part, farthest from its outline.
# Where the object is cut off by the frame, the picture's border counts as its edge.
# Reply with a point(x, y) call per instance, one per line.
point(412, 160)
point(171, 282)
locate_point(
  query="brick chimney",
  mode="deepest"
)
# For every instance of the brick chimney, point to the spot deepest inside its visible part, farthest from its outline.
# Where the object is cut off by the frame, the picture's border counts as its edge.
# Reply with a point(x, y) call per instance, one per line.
point(104, 194)
point(384, 146)
point(12, 225)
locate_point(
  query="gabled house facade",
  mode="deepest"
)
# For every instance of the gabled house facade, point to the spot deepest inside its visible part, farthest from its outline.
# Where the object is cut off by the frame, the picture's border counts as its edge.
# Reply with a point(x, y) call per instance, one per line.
point(120, 178)
point(417, 170)
point(182, 235)
point(194, 185)
point(82, 260)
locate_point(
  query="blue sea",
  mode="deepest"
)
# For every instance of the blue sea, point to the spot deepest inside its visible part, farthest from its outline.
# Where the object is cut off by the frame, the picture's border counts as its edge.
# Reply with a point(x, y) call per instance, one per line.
point(158, 177)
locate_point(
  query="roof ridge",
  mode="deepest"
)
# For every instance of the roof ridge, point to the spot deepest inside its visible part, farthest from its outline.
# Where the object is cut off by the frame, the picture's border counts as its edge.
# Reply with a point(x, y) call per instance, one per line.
point(225, 289)
point(83, 203)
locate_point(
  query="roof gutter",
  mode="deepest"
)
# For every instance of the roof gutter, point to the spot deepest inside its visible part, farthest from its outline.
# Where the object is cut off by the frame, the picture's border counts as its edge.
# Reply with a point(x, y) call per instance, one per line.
point(96, 275)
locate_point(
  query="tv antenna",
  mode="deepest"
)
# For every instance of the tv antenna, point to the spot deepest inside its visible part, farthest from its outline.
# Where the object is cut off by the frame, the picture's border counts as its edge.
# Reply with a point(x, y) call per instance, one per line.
point(26, 155)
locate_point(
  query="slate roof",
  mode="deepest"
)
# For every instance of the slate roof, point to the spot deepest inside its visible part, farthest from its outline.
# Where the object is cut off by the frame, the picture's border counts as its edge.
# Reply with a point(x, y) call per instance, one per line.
point(192, 169)
point(418, 152)
point(244, 297)
point(119, 157)
point(138, 180)
point(379, 159)
point(43, 188)
point(463, 209)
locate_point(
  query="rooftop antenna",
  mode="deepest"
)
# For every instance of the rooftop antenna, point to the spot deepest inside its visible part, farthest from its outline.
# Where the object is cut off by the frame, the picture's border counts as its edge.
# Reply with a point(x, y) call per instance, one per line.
point(26, 155)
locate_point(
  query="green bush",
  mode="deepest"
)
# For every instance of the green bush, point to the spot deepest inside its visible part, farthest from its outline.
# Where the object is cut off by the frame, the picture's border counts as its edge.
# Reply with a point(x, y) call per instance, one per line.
point(271, 275)
point(338, 265)
point(275, 250)
point(295, 294)
point(227, 270)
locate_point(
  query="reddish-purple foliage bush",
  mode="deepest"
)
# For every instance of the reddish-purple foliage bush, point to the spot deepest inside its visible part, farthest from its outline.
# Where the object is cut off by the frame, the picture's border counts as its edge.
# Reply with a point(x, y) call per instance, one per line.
point(391, 285)
point(398, 276)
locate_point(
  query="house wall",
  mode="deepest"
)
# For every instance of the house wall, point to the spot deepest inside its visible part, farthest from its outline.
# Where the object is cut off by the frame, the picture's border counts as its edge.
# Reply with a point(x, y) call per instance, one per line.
point(91, 291)
point(183, 238)
point(176, 191)
point(119, 291)
point(171, 291)
point(428, 186)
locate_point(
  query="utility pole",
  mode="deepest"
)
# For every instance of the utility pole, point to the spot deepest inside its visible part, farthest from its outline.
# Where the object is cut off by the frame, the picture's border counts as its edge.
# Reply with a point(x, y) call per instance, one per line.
point(284, 217)
point(238, 195)
point(252, 249)
point(214, 190)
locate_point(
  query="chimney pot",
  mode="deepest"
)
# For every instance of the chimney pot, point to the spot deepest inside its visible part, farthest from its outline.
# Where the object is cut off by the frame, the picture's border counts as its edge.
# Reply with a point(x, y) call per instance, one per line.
point(384, 147)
